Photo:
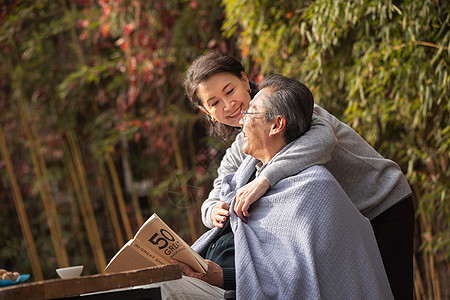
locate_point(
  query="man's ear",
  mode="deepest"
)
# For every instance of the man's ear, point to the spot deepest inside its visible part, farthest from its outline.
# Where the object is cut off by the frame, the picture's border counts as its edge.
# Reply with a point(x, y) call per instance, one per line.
point(278, 126)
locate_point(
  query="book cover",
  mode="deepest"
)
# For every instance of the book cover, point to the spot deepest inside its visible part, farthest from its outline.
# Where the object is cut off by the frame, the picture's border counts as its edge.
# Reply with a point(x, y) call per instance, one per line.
point(155, 244)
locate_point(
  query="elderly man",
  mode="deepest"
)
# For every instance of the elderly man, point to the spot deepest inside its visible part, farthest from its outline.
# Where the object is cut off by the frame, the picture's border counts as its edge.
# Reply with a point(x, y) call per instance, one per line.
point(305, 239)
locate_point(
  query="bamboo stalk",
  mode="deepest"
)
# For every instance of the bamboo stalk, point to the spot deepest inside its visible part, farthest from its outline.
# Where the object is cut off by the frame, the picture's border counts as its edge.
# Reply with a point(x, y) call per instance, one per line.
point(45, 191)
point(21, 212)
point(78, 229)
point(119, 195)
point(180, 166)
point(191, 142)
point(94, 234)
point(130, 183)
point(152, 202)
point(426, 261)
point(418, 285)
point(428, 277)
point(77, 188)
point(78, 199)
point(433, 287)
point(434, 278)
point(150, 199)
point(73, 33)
point(111, 207)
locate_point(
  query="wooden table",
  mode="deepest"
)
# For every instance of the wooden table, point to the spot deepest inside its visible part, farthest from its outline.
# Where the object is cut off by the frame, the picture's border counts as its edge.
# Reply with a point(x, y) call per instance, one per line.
point(64, 288)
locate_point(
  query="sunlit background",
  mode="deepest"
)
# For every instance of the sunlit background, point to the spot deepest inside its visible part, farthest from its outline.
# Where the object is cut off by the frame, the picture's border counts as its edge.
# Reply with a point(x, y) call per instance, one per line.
point(96, 132)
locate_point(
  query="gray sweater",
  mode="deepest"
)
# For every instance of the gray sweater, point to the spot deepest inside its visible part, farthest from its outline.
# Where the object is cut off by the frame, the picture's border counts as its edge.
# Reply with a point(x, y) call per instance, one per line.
point(372, 182)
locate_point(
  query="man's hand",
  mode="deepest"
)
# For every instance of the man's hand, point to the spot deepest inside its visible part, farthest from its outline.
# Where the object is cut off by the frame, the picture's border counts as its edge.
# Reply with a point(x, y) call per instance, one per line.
point(248, 194)
point(213, 276)
point(219, 213)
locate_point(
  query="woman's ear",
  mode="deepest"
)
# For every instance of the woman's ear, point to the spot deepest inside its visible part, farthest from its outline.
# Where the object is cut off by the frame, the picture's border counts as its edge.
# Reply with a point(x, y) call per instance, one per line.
point(208, 113)
point(245, 80)
point(278, 125)
point(204, 110)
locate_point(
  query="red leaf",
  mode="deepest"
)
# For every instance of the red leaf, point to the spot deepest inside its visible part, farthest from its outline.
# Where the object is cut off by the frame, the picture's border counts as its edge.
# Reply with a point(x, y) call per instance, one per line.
point(137, 137)
point(83, 24)
point(83, 2)
point(124, 46)
point(105, 30)
point(128, 29)
point(244, 50)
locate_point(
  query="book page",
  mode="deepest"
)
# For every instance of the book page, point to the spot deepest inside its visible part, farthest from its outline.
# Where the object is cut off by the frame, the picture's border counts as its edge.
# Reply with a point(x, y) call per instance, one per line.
point(155, 244)
point(128, 259)
point(156, 236)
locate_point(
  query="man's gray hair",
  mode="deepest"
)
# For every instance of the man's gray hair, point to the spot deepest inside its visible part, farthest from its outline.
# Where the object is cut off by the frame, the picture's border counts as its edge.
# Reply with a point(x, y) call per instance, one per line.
point(290, 99)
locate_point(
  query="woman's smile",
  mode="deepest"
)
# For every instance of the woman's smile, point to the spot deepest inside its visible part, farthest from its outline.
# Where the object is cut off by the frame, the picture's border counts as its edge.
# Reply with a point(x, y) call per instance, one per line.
point(236, 113)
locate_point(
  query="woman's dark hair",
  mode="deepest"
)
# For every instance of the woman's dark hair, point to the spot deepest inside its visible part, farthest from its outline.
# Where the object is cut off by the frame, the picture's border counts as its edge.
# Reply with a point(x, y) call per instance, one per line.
point(292, 100)
point(200, 70)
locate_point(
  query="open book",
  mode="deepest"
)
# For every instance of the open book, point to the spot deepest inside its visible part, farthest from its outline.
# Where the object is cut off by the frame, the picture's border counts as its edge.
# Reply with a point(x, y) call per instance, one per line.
point(155, 244)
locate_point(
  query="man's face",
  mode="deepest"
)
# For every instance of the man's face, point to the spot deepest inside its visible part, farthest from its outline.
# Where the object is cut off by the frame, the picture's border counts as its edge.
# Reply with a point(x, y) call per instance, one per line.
point(255, 127)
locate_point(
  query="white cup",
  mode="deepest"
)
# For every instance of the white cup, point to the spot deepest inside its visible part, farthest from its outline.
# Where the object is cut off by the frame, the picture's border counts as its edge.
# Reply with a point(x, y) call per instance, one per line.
point(69, 272)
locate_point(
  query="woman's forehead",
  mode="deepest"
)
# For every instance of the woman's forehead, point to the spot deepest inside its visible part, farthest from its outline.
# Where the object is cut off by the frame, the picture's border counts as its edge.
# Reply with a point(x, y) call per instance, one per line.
point(221, 77)
point(216, 83)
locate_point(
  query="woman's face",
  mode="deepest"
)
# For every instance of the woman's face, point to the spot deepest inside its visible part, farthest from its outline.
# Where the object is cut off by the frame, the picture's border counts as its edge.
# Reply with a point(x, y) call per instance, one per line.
point(223, 96)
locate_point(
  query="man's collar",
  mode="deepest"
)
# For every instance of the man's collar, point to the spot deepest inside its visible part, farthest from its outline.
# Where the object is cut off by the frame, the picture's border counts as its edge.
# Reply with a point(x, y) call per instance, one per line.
point(259, 167)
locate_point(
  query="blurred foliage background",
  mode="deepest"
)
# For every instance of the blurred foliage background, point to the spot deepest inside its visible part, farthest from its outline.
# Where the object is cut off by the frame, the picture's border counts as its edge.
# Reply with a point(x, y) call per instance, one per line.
point(96, 133)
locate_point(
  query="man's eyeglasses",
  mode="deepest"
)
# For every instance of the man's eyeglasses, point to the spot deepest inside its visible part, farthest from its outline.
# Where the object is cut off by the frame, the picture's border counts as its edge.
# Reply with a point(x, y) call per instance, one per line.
point(246, 114)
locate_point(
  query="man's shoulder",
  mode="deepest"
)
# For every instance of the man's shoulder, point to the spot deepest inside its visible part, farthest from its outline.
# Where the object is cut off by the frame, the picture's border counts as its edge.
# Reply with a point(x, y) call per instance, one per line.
point(312, 176)
point(314, 185)
point(315, 172)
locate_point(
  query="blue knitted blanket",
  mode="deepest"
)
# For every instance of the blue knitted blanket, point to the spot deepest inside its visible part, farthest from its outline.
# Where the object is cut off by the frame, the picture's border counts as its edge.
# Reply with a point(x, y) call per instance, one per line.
point(304, 240)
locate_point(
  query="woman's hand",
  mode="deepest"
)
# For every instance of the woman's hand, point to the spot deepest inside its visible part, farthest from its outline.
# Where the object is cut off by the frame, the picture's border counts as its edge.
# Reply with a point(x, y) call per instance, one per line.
point(248, 194)
point(219, 213)
point(213, 276)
